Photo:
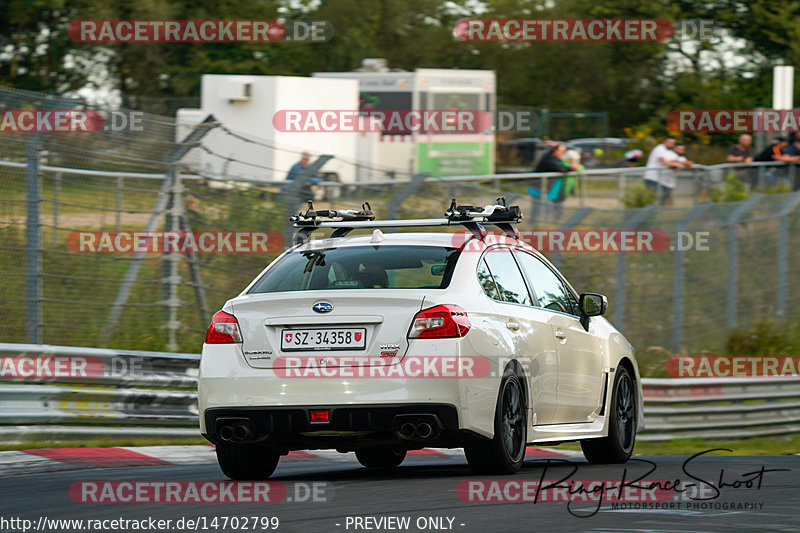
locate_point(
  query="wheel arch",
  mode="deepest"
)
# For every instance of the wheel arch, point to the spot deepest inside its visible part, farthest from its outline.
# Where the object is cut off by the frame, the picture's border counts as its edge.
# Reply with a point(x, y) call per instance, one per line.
point(632, 368)
point(515, 366)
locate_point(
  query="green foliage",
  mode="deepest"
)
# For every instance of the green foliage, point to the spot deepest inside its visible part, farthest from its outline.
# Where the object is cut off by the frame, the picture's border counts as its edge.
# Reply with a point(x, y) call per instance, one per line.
point(33, 37)
point(734, 190)
point(771, 28)
point(652, 361)
point(631, 81)
point(765, 338)
point(639, 196)
point(777, 189)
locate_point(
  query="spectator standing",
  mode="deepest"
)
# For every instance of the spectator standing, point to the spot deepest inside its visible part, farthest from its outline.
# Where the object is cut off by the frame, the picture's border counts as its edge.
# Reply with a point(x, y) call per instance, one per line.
point(300, 166)
point(680, 149)
point(305, 160)
point(741, 152)
point(572, 159)
point(660, 172)
point(793, 149)
point(774, 153)
point(552, 162)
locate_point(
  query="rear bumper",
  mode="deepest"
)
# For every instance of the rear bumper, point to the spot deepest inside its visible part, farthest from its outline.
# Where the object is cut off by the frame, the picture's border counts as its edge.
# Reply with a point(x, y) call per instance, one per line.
point(291, 427)
point(227, 384)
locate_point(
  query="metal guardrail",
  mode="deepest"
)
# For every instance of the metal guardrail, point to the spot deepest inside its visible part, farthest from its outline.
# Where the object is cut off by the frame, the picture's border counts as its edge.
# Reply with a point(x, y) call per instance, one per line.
point(715, 170)
point(720, 408)
point(131, 393)
point(62, 392)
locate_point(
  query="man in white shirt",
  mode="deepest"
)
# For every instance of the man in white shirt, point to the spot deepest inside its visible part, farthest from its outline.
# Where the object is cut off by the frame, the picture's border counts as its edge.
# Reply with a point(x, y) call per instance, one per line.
point(660, 172)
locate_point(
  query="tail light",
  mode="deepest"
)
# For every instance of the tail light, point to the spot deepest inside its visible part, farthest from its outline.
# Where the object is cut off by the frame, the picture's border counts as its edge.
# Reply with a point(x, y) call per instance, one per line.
point(320, 415)
point(440, 322)
point(224, 329)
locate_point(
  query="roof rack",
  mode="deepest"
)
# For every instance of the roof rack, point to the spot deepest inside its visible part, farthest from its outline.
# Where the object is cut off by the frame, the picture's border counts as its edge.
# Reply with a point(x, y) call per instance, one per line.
point(471, 217)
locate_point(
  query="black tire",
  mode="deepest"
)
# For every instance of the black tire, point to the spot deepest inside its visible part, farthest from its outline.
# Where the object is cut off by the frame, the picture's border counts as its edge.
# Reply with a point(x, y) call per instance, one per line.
point(505, 452)
point(381, 457)
point(617, 447)
point(246, 461)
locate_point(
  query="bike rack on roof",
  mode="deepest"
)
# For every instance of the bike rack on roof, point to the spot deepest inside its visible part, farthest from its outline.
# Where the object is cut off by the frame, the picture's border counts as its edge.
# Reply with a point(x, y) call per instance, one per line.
point(471, 217)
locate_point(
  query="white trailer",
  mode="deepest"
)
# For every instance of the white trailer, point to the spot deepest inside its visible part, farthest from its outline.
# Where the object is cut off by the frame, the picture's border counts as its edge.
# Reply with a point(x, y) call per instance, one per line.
point(247, 105)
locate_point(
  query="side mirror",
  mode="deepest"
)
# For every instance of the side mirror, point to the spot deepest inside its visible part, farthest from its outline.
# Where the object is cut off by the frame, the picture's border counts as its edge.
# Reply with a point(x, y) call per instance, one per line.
point(591, 304)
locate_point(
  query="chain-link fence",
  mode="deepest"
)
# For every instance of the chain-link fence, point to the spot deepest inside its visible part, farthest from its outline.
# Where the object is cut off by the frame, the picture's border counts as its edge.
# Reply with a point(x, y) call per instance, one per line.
point(726, 264)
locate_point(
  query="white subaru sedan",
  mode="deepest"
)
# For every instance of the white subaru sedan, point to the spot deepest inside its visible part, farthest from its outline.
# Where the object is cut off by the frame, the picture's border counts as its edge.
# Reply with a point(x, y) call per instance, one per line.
point(381, 343)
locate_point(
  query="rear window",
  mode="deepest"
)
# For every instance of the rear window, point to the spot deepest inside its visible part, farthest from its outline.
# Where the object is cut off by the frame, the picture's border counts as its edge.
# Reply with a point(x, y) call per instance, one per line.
point(361, 267)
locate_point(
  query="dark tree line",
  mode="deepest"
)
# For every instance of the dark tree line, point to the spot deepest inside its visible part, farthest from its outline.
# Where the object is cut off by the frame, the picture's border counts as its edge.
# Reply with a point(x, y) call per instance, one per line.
point(638, 83)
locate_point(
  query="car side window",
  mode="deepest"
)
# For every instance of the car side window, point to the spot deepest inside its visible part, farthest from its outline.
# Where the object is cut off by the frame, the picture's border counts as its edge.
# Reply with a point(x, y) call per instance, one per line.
point(510, 283)
point(487, 281)
point(550, 291)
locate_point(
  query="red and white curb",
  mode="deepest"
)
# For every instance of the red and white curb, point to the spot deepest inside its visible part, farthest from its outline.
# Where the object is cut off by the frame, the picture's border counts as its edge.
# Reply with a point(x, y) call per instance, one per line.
point(55, 459)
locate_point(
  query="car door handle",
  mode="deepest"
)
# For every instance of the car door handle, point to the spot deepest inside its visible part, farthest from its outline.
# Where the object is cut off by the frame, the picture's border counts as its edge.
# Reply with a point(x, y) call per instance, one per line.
point(560, 335)
point(513, 326)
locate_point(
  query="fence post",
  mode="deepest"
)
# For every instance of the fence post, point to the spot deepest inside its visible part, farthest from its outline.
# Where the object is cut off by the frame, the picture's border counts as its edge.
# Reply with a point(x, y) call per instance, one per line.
point(571, 222)
point(619, 298)
point(33, 245)
point(733, 253)
point(677, 292)
point(56, 196)
point(583, 179)
point(120, 183)
point(173, 279)
point(783, 251)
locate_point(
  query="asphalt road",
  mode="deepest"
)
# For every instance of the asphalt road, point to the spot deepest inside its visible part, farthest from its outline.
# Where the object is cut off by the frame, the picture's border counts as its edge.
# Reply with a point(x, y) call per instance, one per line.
point(425, 490)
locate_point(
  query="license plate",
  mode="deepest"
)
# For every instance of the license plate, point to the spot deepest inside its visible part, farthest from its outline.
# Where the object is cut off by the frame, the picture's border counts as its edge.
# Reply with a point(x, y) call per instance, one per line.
point(296, 340)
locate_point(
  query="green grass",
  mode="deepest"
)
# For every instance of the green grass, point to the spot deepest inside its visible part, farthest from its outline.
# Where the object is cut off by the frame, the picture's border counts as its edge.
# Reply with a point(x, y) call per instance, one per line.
point(787, 445)
point(78, 442)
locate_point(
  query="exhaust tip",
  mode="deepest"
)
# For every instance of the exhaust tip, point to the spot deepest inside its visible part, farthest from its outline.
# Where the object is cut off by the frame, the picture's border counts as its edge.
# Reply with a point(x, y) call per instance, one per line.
point(226, 433)
point(424, 430)
point(241, 432)
point(407, 430)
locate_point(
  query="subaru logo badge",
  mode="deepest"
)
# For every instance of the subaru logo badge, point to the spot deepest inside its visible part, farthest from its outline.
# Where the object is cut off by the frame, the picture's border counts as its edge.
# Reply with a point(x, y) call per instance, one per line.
point(322, 307)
